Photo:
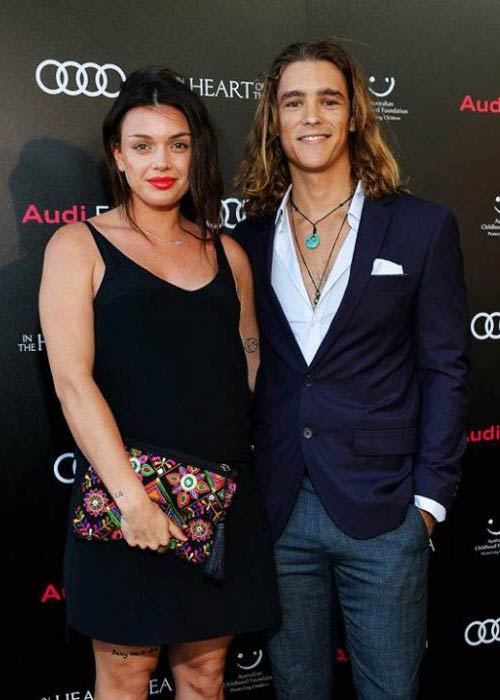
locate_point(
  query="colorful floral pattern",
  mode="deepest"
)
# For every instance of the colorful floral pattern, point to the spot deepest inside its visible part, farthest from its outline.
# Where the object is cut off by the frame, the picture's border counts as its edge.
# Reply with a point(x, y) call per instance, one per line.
point(96, 502)
point(194, 497)
point(189, 483)
point(199, 530)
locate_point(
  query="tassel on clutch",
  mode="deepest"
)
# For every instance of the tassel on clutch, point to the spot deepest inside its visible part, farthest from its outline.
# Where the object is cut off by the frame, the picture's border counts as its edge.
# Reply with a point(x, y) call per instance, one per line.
point(194, 493)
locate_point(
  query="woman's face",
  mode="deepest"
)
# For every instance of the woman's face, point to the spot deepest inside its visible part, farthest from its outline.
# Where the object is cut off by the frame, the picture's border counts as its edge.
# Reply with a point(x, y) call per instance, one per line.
point(154, 154)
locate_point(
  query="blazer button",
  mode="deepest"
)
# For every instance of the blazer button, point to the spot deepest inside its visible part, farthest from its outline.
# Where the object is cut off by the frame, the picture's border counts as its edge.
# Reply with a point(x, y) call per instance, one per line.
point(307, 433)
point(308, 381)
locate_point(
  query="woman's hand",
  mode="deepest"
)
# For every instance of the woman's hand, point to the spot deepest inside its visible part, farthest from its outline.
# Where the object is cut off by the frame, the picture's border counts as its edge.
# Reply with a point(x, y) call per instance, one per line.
point(148, 527)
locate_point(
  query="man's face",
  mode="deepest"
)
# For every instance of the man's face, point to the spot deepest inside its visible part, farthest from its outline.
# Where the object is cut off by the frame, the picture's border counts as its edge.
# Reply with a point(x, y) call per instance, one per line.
point(314, 115)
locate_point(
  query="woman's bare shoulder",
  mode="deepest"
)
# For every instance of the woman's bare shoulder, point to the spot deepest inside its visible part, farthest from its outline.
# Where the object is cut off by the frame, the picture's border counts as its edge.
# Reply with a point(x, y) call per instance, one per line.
point(70, 243)
point(237, 257)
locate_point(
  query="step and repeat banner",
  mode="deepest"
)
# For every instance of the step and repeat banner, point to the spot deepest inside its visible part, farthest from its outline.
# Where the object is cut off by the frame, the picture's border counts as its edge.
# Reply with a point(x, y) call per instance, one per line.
point(433, 72)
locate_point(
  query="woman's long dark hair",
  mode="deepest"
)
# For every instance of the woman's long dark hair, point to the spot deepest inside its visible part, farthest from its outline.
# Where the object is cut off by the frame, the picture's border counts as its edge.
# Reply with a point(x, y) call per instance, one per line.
point(161, 86)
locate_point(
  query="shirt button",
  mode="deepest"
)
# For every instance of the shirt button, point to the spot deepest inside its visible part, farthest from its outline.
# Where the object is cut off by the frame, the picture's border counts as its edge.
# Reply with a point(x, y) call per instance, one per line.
point(308, 380)
point(307, 433)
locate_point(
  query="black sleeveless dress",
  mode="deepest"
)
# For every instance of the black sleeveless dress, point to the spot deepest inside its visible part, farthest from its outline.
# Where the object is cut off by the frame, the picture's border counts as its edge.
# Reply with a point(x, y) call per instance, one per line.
point(171, 365)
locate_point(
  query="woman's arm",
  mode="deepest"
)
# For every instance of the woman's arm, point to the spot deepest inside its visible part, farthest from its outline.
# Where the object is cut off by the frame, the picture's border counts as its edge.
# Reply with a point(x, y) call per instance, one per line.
point(249, 330)
point(71, 272)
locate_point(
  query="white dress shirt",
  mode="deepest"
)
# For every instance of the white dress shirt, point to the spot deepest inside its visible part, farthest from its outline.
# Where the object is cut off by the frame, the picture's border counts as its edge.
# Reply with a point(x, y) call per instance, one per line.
point(310, 325)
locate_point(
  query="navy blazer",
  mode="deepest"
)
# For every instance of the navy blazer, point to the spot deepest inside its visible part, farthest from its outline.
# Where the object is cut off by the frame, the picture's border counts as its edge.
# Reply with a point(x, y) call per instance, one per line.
point(380, 413)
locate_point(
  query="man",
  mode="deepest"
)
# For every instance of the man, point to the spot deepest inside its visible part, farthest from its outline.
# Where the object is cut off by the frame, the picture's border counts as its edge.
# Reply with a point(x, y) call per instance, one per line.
point(361, 393)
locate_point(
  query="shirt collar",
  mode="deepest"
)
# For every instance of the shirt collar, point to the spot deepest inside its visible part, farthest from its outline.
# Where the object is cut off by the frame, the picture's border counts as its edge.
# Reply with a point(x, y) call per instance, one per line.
point(353, 215)
point(282, 206)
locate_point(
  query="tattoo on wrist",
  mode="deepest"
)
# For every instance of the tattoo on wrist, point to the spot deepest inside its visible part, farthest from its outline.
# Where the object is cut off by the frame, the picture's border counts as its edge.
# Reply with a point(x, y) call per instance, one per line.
point(251, 344)
point(117, 495)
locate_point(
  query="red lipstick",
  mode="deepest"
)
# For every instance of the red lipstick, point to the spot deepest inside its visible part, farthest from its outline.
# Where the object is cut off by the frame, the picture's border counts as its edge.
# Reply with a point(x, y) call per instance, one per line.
point(162, 183)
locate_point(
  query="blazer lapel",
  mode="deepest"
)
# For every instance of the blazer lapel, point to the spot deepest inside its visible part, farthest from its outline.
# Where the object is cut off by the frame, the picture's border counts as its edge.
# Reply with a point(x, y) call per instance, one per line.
point(372, 229)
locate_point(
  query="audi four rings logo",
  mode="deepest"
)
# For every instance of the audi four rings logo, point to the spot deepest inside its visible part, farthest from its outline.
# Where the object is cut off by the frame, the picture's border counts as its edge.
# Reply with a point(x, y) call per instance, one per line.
point(233, 211)
point(483, 632)
point(65, 468)
point(486, 326)
point(72, 78)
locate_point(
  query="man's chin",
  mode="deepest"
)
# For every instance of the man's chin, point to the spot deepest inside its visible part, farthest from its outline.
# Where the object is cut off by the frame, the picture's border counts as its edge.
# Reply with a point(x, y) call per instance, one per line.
point(314, 167)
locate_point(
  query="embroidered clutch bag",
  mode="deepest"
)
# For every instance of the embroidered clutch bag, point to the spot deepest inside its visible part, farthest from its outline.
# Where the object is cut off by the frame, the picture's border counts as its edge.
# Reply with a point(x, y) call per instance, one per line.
point(194, 493)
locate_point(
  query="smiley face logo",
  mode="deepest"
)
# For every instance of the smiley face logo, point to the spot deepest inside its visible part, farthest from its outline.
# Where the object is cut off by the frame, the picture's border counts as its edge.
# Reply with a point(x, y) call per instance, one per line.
point(494, 532)
point(249, 661)
point(496, 206)
point(390, 83)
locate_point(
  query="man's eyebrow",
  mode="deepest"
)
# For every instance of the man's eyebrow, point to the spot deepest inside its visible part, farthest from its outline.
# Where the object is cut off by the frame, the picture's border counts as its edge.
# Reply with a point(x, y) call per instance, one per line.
point(292, 93)
point(331, 91)
point(301, 93)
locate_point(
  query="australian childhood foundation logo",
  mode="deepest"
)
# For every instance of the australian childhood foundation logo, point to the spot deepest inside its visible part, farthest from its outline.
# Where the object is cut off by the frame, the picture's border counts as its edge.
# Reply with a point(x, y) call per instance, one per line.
point(492, 227)
point(385, 106)
point(490, 544)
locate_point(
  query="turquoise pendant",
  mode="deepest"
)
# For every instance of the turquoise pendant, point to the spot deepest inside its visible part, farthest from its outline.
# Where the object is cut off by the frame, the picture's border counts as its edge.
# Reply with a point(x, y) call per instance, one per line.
point(313, 239)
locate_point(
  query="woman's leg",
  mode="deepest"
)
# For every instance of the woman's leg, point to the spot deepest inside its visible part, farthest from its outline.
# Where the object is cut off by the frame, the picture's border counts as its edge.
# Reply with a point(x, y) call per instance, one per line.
point(123, 672)
point(198, 669)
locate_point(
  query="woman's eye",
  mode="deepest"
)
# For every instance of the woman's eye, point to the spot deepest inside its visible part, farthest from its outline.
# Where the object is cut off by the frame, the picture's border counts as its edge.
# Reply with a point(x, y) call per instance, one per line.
point(140, 147)
point(180, 146)
point(293, 103)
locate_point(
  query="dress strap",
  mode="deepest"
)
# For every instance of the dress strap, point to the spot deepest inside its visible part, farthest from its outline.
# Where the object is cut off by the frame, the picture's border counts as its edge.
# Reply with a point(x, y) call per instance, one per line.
point(222, 261)
point(108, 251)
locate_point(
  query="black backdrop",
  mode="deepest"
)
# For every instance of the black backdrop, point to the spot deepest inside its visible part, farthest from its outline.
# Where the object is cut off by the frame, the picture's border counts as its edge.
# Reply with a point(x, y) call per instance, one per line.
point(433, 69)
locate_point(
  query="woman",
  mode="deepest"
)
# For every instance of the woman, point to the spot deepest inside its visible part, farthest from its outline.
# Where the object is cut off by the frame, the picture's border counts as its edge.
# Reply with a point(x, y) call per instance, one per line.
point(148, 315)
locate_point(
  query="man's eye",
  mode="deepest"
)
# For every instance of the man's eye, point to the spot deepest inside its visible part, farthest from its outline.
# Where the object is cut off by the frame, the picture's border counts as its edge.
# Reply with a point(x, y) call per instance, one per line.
point(292, 103)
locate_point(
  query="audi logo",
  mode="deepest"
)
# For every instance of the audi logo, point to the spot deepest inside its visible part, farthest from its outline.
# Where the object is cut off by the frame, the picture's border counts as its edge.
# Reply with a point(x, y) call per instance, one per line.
point(233, 211)
point(72, 78)
point(483, 632)
point(486, 326)
point(65, 468)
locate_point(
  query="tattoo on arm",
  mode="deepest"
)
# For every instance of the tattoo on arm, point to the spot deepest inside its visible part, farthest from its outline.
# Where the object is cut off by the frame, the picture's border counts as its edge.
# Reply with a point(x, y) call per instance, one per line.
point(251, 344)
point(117, 495)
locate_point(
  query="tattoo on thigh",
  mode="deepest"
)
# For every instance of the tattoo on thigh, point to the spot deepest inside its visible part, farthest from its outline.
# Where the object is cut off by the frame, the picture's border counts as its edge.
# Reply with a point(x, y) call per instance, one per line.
point(251, 344)
point(134, 652)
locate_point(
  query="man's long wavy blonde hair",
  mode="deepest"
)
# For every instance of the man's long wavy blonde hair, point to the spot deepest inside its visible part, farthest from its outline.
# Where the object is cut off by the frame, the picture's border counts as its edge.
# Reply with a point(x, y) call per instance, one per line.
point(264, 175)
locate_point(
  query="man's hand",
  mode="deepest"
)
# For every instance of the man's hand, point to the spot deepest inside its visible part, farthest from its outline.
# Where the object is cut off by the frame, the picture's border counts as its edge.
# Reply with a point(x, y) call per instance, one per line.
point(429, 520)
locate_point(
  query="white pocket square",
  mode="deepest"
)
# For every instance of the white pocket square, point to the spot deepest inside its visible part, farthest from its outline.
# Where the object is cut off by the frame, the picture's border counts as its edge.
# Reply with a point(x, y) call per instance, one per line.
point(386, 267)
